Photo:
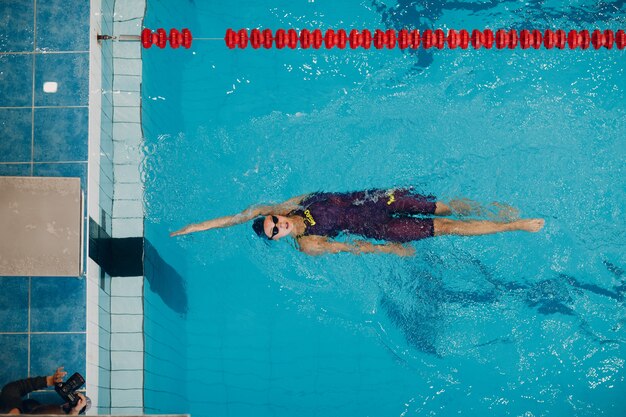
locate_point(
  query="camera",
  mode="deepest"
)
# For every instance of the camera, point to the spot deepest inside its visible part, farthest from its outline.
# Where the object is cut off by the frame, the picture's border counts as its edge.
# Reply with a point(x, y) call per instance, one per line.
point(67, 389)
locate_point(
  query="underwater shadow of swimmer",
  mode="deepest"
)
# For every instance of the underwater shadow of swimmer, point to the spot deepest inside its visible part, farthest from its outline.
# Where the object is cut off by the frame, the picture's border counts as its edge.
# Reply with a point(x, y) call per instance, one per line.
point(420, 321)
point(164, 281)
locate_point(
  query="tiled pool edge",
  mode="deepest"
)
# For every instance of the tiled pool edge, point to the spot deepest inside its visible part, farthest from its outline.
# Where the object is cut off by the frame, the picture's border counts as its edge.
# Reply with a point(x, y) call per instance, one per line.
point(127, 321)
point(98, 304)
point(115, 345)
point(127, 219)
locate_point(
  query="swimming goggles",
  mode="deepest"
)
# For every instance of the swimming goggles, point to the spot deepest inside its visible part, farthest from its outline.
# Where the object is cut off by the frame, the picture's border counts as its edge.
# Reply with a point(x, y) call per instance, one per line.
point(275, 228)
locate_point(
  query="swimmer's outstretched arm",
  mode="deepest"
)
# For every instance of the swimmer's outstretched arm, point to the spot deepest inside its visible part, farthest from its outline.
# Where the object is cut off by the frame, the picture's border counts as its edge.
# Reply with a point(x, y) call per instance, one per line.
point(320, 245)
point(246, 215)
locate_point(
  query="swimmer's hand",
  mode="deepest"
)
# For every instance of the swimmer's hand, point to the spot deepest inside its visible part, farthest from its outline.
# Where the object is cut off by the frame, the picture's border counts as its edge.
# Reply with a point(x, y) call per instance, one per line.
point(179, 232)
point(186, 230)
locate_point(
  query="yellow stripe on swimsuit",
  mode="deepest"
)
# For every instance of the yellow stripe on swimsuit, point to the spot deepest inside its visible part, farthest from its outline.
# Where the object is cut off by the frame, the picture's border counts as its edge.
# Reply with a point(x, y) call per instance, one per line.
point(309, 217)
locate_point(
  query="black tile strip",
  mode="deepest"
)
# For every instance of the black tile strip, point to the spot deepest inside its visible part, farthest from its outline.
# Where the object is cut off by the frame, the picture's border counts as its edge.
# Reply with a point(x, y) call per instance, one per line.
point(118, 257)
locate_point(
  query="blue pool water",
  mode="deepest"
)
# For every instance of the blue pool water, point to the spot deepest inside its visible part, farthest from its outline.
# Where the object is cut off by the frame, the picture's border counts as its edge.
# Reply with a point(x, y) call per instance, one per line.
point(505, 325)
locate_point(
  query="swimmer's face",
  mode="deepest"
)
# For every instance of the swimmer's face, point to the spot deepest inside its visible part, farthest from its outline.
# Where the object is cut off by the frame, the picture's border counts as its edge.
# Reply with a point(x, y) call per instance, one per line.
point(276, 227)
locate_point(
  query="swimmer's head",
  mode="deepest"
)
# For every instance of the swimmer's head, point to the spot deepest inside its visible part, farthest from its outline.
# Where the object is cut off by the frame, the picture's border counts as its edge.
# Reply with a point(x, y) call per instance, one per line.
point(257, 226)
point(272, 227)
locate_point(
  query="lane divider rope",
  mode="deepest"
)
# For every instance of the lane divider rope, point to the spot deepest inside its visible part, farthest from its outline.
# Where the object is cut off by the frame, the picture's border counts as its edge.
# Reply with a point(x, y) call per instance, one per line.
point(403, 39)
point(427, 39)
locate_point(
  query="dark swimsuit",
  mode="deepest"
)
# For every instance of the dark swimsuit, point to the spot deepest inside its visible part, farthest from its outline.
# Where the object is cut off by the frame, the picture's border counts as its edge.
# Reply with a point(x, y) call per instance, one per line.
point(376, 214)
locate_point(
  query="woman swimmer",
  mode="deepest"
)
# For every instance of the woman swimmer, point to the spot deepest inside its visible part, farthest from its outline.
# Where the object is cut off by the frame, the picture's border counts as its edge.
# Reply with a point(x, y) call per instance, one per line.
point(389, 215)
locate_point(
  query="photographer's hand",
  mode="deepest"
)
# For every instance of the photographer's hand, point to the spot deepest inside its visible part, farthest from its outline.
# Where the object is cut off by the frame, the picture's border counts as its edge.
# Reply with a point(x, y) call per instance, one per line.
point(56, 377)
point(82, 402)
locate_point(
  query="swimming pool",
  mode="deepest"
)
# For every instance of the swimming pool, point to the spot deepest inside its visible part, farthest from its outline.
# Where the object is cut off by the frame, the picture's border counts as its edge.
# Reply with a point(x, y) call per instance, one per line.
point(502, 325)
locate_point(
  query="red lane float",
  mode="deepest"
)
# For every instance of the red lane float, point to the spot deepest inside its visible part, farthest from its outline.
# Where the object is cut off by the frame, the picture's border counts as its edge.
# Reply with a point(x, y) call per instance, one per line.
point(413, 39)
point(160, 38)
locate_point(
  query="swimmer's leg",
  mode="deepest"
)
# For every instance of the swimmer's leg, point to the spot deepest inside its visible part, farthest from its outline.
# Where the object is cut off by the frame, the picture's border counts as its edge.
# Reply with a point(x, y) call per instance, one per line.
point(466, 207)
point(442, 209)
point(494, 211)
point(484, 227)
point(503, 212)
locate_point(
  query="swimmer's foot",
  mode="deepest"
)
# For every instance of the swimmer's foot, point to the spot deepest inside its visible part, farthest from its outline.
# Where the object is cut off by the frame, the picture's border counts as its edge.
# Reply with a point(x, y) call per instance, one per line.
point(529, 225)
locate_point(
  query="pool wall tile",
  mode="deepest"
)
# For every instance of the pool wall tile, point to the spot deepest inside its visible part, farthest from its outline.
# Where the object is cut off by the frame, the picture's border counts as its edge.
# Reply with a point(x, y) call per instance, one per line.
point(128, 10)
point(127, 379)
point(128, 401)
point(14, 304)
point(127, 342)
point(106, 183)
point(129, 208)
point(128, 155)
point(107, 108)
point(54, 307)
point(128, 192)
point(126, 66)
point(130, 50)
point(16, 82)
point(127, 173)
point(126, 115)
point(72, 84)
point(63, 25)
point(101, 178)
point(127, 132)
point(127, 83)
point(128, 323)
point(107, 66)
point(106, 191)
point(130, 227)
point(127, 99)
point(126, 360)
point(130, 27)
point(16, 140)
point(98, 341)
point(106, 145)
point(104, 397)
point(17, 25)
point(126, 305)
point(127, 287)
